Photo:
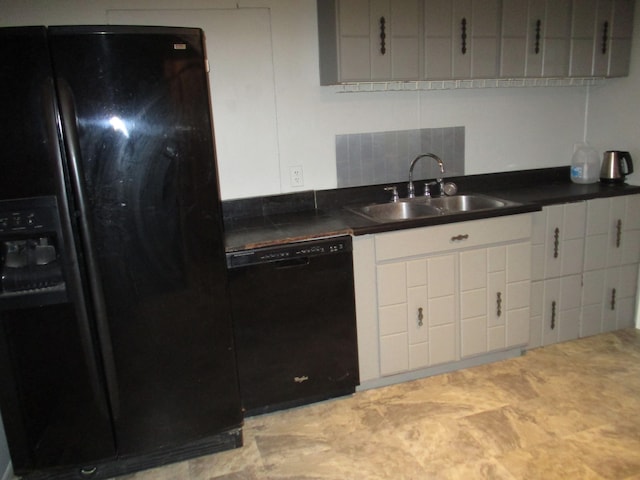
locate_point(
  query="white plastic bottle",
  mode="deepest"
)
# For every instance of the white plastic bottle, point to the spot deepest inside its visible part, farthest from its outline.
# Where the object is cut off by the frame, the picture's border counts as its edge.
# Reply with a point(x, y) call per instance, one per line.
point(585, 164)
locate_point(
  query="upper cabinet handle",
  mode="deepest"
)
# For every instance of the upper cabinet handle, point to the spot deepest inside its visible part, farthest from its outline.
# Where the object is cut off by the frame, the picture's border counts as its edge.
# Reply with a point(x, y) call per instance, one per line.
point(464, 35)
point(605, 34)
point(537, 44)
point(383, 36)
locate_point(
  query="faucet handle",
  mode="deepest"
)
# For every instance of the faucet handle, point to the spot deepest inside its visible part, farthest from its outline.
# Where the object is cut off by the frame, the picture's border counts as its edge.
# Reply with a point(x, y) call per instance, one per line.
point(450, 188)
point(394, 193)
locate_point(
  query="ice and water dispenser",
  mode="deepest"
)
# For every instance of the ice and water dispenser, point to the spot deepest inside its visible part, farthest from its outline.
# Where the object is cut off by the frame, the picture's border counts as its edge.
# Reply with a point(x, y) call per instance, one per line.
point(30, 262)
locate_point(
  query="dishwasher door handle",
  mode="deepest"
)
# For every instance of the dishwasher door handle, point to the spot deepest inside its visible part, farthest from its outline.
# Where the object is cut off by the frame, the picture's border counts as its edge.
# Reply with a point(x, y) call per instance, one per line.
point(297, 262)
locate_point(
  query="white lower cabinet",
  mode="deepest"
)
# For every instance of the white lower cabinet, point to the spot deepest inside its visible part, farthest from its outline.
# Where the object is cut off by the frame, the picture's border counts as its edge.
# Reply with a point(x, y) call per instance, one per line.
point(608, 299)
point(449, 292)
point(416, 313)
point(585, 268)
point(494, 298)
point(436, 295)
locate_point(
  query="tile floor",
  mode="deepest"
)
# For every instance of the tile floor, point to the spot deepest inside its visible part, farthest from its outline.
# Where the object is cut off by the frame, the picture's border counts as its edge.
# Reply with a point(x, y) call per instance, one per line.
point(567, 411)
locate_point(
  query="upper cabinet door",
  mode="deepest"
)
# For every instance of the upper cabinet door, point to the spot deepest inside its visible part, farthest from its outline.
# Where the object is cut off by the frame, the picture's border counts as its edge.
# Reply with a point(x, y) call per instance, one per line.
point(513, 40)
point(461, 39)
point(556, 37)
point(354, 42)
point(619, 50)
point(405, 37)
point(535, 38)
point(369, 40)
point(601, 33)
point(590, 37)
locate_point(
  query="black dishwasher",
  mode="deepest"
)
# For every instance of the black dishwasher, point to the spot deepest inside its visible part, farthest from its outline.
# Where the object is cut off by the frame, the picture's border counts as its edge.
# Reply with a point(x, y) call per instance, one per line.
point(294, 323)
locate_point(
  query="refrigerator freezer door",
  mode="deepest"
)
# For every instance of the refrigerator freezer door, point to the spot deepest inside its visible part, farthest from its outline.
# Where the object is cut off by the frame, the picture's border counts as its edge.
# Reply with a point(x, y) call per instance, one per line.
point(148, 180)
point(53, 394)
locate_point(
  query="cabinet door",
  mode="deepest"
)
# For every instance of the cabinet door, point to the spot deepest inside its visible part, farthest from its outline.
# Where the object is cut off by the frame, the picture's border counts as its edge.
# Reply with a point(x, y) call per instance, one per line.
point(461, 39)
point(535, 38)
point(597, 234)
point(376, 39)
point(602, 41)
point(564, 243)
point(354, 44)
point(513, 38)
point(557, 32)
point(405, 39)
point(518, 291)
point(538, 244)
point(593, 293)
point(442, 311)
point(473, 302)
point(586, 19)
point(417, 313)
point(612, 233)
point(536, 311)
point(619, 50)
point(494, 298)
point(484, 39)
point(438, 37)
point(608, 299)
point(392, 318)
point(601, 37)
point(561, 309)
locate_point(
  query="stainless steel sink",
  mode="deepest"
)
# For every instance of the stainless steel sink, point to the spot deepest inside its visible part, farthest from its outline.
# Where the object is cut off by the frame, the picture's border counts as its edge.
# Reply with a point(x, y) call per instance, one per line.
point(466, 203)
point(415, 208)
point(392, 212)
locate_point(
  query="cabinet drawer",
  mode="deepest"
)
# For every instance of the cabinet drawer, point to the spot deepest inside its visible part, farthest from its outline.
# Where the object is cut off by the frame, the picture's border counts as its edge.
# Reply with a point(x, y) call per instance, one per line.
point(452, 236)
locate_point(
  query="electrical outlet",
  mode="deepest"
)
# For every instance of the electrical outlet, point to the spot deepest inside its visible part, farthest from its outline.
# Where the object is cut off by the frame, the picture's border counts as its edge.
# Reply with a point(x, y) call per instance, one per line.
point(296, 177)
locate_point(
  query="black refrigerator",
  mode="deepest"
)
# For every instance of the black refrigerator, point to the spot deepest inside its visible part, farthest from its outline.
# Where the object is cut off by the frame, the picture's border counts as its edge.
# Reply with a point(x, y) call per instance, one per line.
point(116, 344)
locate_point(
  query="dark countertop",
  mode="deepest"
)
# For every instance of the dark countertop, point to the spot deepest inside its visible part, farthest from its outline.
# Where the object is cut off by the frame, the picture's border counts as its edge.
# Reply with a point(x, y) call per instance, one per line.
point(279, 219)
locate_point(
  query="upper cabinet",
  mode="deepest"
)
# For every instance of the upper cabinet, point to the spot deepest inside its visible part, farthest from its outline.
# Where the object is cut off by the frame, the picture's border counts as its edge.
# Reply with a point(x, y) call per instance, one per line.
point(369, 40)
point(384, 40)
point(460, 39)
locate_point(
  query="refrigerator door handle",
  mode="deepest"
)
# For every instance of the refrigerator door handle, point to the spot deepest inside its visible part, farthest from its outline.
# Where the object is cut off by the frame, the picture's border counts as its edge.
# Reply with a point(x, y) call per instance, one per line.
point(74, 281)
point(72, 146)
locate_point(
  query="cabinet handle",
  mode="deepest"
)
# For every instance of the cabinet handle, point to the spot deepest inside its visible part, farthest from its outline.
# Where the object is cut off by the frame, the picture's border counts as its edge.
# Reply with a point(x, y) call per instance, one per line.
point(383, 36)
point(605, 32)
point(464, 35)
point(459, 237)
point(538, 27)
point(499, 304)
point(556, 242)
point(618, 232)
point(553, 315)
point(613, 299)
point(420, 316)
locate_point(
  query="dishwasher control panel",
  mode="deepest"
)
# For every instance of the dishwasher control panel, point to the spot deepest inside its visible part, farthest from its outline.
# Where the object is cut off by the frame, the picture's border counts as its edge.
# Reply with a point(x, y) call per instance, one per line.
point(309, 248)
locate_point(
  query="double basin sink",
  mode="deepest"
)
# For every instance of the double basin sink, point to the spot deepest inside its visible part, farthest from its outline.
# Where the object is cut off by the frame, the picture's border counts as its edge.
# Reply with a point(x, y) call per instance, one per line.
point(424, 207)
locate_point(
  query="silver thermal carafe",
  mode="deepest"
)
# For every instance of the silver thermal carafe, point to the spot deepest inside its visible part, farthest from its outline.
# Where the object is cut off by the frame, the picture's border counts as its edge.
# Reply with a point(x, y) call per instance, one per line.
point(615, 166)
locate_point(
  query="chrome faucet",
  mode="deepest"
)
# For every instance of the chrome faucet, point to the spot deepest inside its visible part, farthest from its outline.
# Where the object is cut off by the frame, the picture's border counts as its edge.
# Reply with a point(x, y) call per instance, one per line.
point(411, 189)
